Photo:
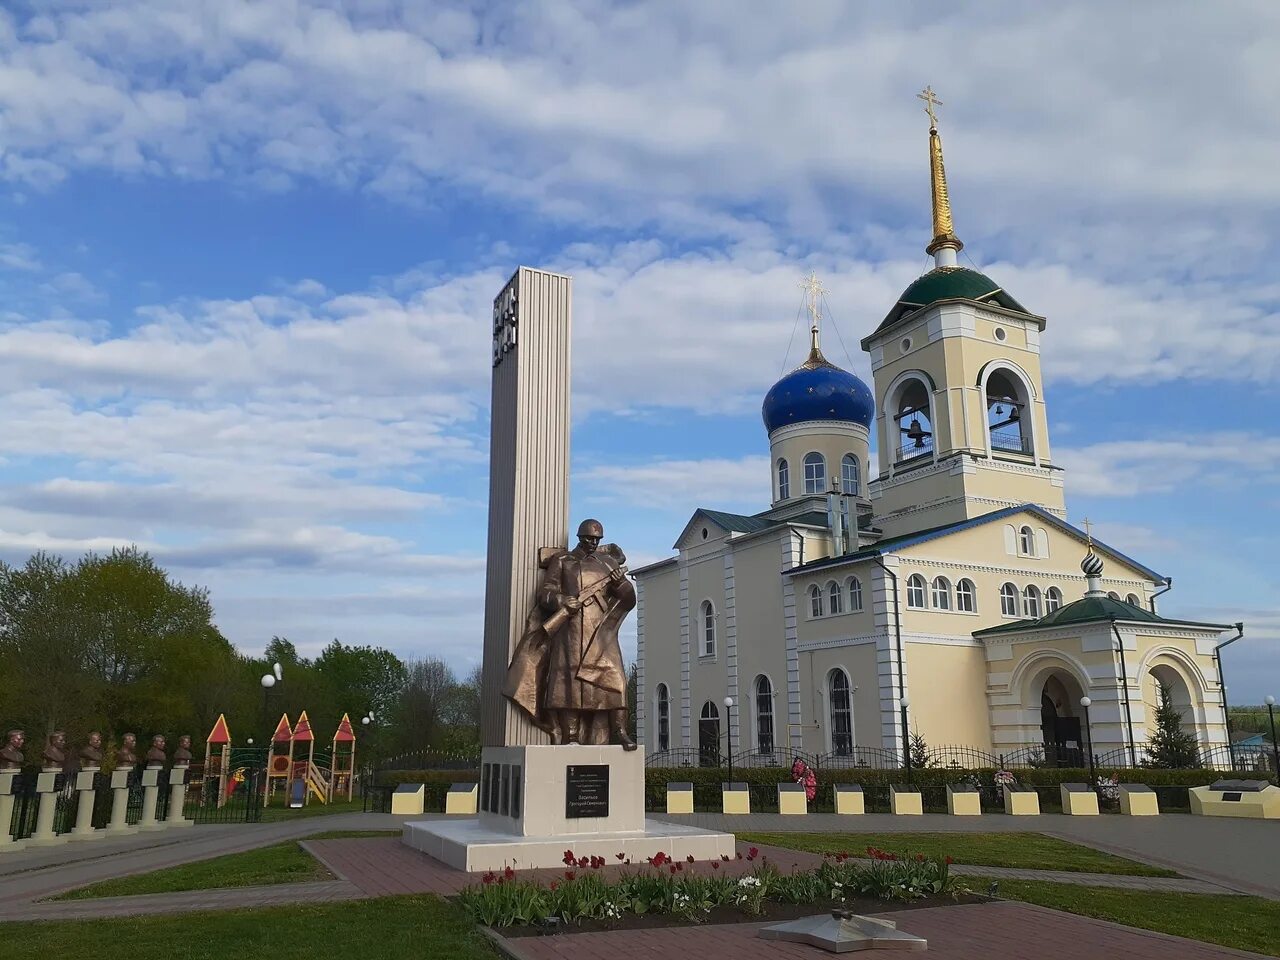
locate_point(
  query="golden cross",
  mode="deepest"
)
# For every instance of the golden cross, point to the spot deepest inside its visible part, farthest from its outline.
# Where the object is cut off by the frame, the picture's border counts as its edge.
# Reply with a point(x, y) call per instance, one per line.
point(930, 101)
point(1088, 531)
point(813, 286)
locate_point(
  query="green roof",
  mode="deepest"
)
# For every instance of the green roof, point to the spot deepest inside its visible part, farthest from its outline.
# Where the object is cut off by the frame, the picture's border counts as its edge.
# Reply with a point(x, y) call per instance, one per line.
point(948, 283)
point(1090, 610)
point(736, 522)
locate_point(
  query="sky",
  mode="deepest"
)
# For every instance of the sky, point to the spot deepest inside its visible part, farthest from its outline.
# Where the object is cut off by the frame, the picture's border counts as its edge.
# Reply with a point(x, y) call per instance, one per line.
point(248, 252)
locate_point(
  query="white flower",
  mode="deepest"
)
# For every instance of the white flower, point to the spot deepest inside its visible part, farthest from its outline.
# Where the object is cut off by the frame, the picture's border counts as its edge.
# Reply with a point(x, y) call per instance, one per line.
point(749, 882)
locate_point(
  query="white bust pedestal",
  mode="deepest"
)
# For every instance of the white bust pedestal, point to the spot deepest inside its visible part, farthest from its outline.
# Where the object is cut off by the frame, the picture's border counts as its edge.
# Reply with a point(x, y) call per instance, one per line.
point(150, 798)
point(177, 794)
point(47, 788)
point(119, 825)
point(8, 782)
point(538, 801)
point(85, 782)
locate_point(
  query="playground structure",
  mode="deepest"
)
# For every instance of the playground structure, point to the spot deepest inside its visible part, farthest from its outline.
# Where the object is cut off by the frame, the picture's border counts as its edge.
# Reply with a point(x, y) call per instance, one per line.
point(294, 767)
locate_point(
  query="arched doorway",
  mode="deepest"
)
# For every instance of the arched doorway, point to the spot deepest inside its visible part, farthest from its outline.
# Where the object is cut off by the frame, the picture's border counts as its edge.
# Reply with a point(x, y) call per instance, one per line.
point(709, 735)
point(1060, 726)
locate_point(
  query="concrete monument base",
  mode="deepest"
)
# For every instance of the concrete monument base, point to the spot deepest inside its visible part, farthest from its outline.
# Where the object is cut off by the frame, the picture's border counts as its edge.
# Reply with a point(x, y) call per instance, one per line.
point(469, 845)
point(536, 802)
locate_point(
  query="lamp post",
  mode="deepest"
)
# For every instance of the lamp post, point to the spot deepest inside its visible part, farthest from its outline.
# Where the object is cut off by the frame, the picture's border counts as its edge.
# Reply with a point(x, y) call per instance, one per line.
point(1086, 703)
point(369, 721)
point(728, 733)
point(1270, 701)
point(903, 703)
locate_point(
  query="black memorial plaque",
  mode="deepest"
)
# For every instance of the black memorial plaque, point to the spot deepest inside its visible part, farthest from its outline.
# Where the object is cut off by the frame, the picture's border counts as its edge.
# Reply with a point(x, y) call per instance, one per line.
point(587, 790)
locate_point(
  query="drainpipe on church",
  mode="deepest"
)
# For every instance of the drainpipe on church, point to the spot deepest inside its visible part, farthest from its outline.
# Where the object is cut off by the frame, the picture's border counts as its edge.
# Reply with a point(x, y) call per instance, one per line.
point(1124, 676)
point(1168, 585)
point(1222, 688)
point(902, 664)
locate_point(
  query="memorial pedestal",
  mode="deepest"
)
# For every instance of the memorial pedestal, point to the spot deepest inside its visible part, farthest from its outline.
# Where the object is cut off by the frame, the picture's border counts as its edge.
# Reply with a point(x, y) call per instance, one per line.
point(150, 799)
point(8, 781)
point(119, 825)
point(47, 788)
point(177, 797)
point(538, 801)
point(85, 783)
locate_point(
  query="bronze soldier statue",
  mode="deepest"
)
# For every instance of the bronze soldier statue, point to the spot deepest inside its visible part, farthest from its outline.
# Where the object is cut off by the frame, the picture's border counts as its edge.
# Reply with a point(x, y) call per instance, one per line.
point(91, 752)
point(156, 754)
point(567, 671)
point(11, 753)
point(55, 749)
point(127, 755)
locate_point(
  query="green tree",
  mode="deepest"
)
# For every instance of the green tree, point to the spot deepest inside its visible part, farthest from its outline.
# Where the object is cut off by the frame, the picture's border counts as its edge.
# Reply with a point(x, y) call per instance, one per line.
point(1170, 746)
point(919, 752)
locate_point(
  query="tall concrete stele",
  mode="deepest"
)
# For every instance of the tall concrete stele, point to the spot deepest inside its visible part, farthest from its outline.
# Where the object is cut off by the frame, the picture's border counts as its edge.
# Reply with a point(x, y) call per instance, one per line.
point(528, 476)
point(537, 798)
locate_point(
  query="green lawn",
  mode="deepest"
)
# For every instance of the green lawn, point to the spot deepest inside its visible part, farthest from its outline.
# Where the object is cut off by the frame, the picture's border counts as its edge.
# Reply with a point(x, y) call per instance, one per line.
point(279, 863)
point(1032, 851)
point(387, 928)
point(277, 810)
point(1245, 923)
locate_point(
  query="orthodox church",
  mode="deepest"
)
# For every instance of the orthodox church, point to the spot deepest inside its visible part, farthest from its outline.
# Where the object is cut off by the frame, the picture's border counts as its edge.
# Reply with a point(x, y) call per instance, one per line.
point(940, 591)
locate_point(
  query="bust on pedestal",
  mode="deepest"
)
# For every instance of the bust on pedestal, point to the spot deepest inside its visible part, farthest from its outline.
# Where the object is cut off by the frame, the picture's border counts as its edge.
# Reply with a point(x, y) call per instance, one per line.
point(178, 783)
point(11, 759)
point(86, 787)
point(156, 758)
point(47, 786)
point(126, 760)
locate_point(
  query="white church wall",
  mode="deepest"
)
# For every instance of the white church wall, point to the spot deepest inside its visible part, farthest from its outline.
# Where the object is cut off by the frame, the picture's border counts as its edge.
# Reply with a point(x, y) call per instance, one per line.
point(761, 637)
point(858, 661)
point(658, 649)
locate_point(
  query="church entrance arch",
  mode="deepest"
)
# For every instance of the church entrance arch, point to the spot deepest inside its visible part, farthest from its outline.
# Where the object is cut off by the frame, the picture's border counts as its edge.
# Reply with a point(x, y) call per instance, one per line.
point(1060, 725)
point(709, 735)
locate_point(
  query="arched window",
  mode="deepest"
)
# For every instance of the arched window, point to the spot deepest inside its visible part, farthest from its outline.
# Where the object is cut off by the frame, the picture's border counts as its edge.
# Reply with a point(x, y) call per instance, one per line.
point(1008, 600)
point(1006, 405)
point(941, 593)
point(1113, 595)
point(1133, 600)
point(1052, 599)
point(709, 735)
point(966, 597)
point(1031, 601)
point(915, 428)
point(841, 712)
point(815, 601)
point(764, 715)
point(855, 594)
point(784, 479)
point(1026, 542)
point(850, 475)
point(663, 702)
point(835, 602)
point(815, 473)
point(708, 629)
point(915, 592)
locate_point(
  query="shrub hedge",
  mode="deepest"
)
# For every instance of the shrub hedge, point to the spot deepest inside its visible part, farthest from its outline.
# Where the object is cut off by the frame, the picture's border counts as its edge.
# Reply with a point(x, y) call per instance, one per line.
point(706, 780)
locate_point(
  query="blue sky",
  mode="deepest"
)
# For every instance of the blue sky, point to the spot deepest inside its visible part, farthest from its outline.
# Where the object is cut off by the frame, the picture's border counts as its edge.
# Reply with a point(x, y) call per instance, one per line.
point(247, 253)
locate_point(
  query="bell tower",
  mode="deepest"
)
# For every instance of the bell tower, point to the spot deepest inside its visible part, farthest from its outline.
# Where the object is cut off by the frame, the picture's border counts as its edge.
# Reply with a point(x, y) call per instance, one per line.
point(960, 421)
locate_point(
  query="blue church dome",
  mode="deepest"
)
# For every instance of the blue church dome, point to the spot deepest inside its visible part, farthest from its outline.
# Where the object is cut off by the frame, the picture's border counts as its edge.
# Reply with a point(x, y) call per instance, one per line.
point(817, 390)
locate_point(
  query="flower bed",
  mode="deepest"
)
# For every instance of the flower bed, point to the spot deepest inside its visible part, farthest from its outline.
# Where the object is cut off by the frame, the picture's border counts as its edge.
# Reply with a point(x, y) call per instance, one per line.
point(663, 891)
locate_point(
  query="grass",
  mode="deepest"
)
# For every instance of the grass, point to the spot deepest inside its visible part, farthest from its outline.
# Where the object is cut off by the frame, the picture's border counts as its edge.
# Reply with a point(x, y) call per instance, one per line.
point(279, 863)
point(277, 810)
point(1245, 923)
point(1032, 851)
point(386, 928)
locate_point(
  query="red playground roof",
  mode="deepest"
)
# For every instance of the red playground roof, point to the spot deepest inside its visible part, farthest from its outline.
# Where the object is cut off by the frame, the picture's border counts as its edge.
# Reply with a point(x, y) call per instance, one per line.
point(302, 732)
point(345, 734)
point(283, 732)
point(219, 733)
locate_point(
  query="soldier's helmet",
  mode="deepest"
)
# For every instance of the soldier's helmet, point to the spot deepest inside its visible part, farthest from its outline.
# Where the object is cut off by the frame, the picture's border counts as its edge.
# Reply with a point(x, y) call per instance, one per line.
point(591, 528)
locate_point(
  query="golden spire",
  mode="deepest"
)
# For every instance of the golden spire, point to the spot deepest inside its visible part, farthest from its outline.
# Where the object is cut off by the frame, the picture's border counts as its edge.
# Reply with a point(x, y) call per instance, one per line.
point(814, 288)
point(945, 244)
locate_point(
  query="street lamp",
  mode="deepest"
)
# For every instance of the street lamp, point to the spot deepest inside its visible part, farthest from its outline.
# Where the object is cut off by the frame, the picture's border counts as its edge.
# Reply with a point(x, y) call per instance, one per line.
point(728, 733)
point(1270, 701)
point(1086, 703)
point(904, 702)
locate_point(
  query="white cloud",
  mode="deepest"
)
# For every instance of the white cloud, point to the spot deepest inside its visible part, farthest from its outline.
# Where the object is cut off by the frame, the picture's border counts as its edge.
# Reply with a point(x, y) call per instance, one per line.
point(1131, 468)
point(680, 485)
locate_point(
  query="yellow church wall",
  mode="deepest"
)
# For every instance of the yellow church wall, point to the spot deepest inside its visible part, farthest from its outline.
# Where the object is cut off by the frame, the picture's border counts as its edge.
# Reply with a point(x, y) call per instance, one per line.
point(761, 634)
point(1193, 679)
point(832, 440)
point(662, 648)
point(946, 687)
point(859, 662)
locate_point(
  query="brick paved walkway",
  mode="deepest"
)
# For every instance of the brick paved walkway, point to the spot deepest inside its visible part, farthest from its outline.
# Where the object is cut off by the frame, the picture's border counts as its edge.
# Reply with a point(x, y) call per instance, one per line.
point(1007, 930)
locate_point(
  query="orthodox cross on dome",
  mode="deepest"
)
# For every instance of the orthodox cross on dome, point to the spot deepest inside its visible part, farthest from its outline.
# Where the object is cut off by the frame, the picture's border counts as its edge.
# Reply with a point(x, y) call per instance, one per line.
point(1088, 532)
point(945, 244)
point(814, 290)
point(930, 101)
